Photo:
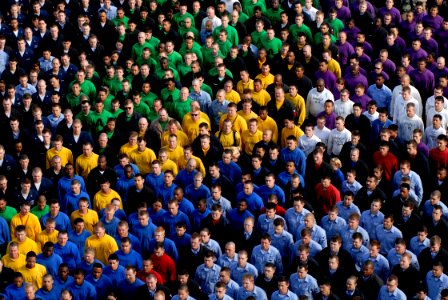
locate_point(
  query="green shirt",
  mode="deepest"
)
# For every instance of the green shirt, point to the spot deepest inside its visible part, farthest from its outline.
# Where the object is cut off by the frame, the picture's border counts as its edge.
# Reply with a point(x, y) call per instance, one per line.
point(169, 101)
point(149, 99)
point(183, 31)
point(74, 102)
point(184, 69)
point(151, 62)
point(87, 87)
point(174, 59)
point(181, 108)
point(84, 120)
point(224, 47)
point(154, 42)
point(232, 34)
point(195, 49)
point(97, 121)
point(318, 38)
point(108, 102)
point(294, 30)
point(179, 19)
point(336, 24)
point(117, 21)
point(137, 50)
point(142, 109)
point(249, 7)
point(214, 72)
point(160, 73)
point(272, 47)
point(116, 113)
point(39, 213)
point(10, 212)
point(243, 17)
point(257, 37)
point(274, 15)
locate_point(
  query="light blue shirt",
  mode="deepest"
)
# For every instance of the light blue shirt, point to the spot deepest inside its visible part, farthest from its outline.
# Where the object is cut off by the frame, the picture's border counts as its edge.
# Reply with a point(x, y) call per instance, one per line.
point(317, 234)
point(428, 208)
point(207, 277)
point(213, 246)
point(266, 225)
point(225, 204)
point(359, 256)
point(416, 183)
point(345, 212)
point(217, 109)
point(306, 286)
point(396, 295)
point(204, 100)
point(295, 219)
point(260, 257)
point(352, 187)
point(370, 221)
point(347, 237)
point(394, 258)
point(313, 246)
point(21, 91)
point(381, 266)
point(283, 242)
point(387, 237)
point(288, 296)
point(258, 293)
point(333, 228)
point(225, 261)
point(382, 96)
point(416, 247)
point(237, 272)
point(436, 285)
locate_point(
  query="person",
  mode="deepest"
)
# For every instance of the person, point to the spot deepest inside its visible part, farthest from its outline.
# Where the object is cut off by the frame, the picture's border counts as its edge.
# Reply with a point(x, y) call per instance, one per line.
point(103, 243)
point(391, 289)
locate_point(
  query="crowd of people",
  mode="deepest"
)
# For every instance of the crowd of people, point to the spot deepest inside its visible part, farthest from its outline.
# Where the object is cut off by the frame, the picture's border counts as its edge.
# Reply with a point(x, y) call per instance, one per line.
point(253, 149)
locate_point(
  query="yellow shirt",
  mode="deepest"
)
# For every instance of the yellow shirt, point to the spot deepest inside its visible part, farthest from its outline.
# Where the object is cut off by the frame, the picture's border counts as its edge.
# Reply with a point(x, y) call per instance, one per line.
point(299, 104)
point(30, 221)
point(103, 246)
point(250, 139)
point(34, 275)
point(265, 80)
point(65, 154)
point(191, 128)
point(262, 97)
point(44, 237)
point(101, 200)
point(90, 218)
point(335, 67)
point(241, 86)
point(228, 140)
point(247, 117)
point(182, 138)
point(182, 163)
point(238, 123)
point(143, 159)
point(26, 246)
point(127, 149)
point(188, 118)
point(296, 131)
point(233, 96)
point(15, 264)
point(170, 165)
point(269, 123)
point(174, 154)
point(85, 164)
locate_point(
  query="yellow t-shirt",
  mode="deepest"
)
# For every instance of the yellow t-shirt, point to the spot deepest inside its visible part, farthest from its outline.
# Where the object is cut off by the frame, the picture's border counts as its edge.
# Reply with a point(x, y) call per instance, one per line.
point(104, 246)
point(265, 80)
point(250, 139)
point(335, 67)
point(240, 86)
point(228, 140)
point(15, 264)
point(101, 200)
point(248, 116)
point(174, 154)
point(34, 275)
point(262, 97)
point(299, 104)
point(182, 163)
point(238, 123)
point(127, 149)
point(191, 128)
point(26, 246)
point(65, 154)
point(143, 159)
point(30, 221)
point(170, 165)
point(44, 237)
point(269, 123)
point(233, 97)
point(90, 218)
point(296, 131)
point(85, 164)
point(182, 138)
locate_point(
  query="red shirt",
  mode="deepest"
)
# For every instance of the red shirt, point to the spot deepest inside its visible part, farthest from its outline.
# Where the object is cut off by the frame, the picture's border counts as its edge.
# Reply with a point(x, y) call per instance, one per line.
point(328, 197)
point(438, 158)
point(165, 266)
point(388, 162)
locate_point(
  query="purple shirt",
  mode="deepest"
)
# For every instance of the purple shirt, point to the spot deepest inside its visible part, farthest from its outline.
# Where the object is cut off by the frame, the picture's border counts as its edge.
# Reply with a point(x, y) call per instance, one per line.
point(363, 100)
point(330, 120)
point(416, 55)
point(419, 17)
point(406, 27)
point(352, 81)
point(343, 14)
point(423, 81)
point(396, 16)
point(345, 51)
point(435, 23)
point(430, 46)
point(438, 73)
point(328, 77)
point(351, 34)
point(423, 148)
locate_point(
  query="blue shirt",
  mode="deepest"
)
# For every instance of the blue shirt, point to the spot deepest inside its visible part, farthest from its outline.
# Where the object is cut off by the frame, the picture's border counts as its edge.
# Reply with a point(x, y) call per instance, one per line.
point(165, 193)
point(213, 246)
point(217, 110)
point(86, 291)
point(154, 181)
point(51, 263)
point(359, 256)
point(314, 247)
point(288, 296)
point(396, 295)
point(70, 203)
point(416, 247)
point(204, 100)
point(254, 202)
point(168, 245)
point(260, 257)
point(297, 156)
point(258, 293)
point(264, 192)
point(186, 206)
point(237, 272)
point(69, 254)
point(416, 183)
point(317, 234)
point(224, 202)
point(333, 228)
point(370, 221)
point(387, 237)
point(64, 186)
point(185, 178)
point(103, 285)
point(133, 258)
point(194, 194)
point(79, 239)
point(116, 276)
point(436, 285)
point(382, 96)
point(86, 267)
point(283, 242)
point(347, 234)
point(352, 187)
point(266, 225)
point(5, 237)
point(196, 218)
point(345, 212)
point(295, 219)
point(207, 277)
point(237, 218)
point(62, 221)
point(130, 289)
point(141, 231)
point(170, 221)
point(54, 294)
point(306, 286)
point(428, 208)
point(394, 258)
point(232, 170)
point(225, 261)
point(381, 266)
